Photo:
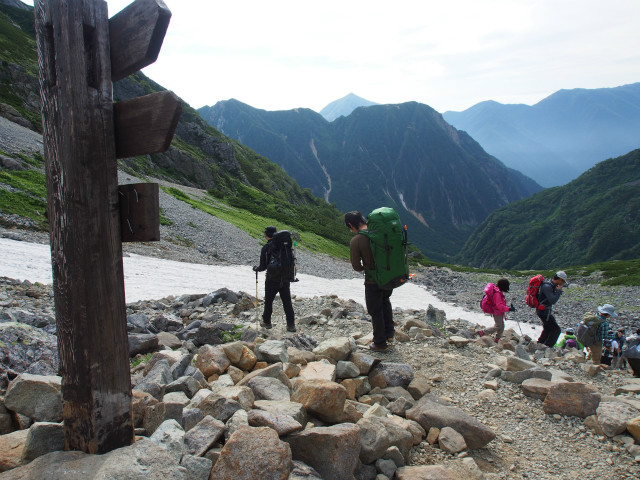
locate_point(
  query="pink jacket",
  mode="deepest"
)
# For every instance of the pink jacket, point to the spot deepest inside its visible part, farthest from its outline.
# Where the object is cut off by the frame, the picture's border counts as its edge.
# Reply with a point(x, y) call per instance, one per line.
point(496, 299)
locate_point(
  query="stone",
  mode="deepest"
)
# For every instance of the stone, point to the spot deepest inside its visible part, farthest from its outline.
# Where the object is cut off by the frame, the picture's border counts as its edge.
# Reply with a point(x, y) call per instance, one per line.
point(364, 362)
point(212, 360)
point(632, 389)
point(159, 373)
point(272, 351)
point(394, 454)
point(247, 360)
point(283, 424)
point(43, 438)
point(233, 351)
point(592, 423)
point(219, 407)
point(269, 388)
point(322, 399)
point(156, 414)
point(321, 370)
point(491, 384)
point(269, 455)
point(36, 396)
point(302, 471)
point(141, 343)
point(391, 374)
point(291, 370)
point(331, 451)
point(337, 348)
point(451, 441)
point(400, 406)
point(432, 436)
point(170, 436)
point(186, 384)
point(459, 341)
point(143, 459)
point(634, 428)
point(614, 417)
point(433, 412)
point(537, 388)
point(139, 402)
point(386, 467)
point(11, 449)
point(426, 472)
point(487, 395)
point(346, 369)
point(515, 364)
point(201, 437)
point(590, 369)
point(419, 387)
point(377, 434)
point(168, 340)
point(239, 418)
point(520, 376)
point(269, 371)
point(293, 409)
point(198, 468)
point(243, 395)
point(572, 399)
point(190, 418)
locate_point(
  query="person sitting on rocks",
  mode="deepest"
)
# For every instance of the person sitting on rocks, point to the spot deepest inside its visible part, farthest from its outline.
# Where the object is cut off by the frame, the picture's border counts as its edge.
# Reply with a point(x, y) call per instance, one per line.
point(631, 353)
point(495, 305)
point(570, 341)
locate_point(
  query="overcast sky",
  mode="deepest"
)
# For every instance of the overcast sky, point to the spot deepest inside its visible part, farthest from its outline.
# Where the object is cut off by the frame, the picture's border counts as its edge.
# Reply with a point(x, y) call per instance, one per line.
point(283, 54)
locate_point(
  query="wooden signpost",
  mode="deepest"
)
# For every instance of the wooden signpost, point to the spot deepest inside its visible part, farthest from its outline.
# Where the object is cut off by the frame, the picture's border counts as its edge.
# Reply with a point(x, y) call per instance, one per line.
point(80, 53)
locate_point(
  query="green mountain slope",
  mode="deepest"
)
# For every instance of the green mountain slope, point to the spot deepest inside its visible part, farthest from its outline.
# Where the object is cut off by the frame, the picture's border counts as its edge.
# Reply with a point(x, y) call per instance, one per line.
point(594, 218)
point(405, 156)
point(200, 156)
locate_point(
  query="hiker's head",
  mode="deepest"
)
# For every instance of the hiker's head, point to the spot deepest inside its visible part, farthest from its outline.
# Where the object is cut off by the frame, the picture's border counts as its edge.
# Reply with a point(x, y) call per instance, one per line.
point(503, 285)
point(607, 310)
point(354, 220)
point(560, 278)
point(620, 332)
point(270, 231)
point(570, 331)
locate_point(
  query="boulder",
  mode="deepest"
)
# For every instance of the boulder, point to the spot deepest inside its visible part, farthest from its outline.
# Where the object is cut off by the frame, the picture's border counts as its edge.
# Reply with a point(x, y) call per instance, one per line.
point(323, 399)
point(451, 441)
point(302, 471)
point(419, 387)
point(332, 451)
point(293, 409)
point(198, 468)
point(159, 373)
point(269, 388)
point(271, 371)
point(219, 407)
point(283, 424)
point(321, 370)
point(170, 436)
point(212, 360)
point(520, 376)
point(364, 362)
point(572, 399)
point(169, 340)
point(43, 438)
point(632, 389)
point(243, 395)
point(11, 449)
point(515, 364)
point(537, 388)
point(426, 472)
point(433, 412)
point(614, 417)
point(338, 348)
point(391, 374)
point(247, 360)
point(36, 396)
point(233, 351)
point(142, 343)
point(346, 369)
point(377, 434)
point(634, 428)
point(142, 460)
point(201, 437)
point(272, 351)
point(269, 456)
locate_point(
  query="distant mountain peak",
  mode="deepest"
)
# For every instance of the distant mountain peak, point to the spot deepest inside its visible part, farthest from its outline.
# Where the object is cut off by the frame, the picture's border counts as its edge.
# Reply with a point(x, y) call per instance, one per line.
point(344, 106)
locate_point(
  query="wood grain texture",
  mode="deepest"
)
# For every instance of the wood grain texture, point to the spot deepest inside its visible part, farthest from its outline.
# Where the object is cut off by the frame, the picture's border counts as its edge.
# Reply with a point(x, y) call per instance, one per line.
point(86, 252)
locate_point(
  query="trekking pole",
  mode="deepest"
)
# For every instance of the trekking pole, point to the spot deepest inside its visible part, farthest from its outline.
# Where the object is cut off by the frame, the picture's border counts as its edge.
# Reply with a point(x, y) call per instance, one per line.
point(256, 302)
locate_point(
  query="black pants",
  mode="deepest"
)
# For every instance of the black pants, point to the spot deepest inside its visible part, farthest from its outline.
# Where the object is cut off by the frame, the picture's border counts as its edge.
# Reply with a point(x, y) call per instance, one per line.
point(634, 363)
point(271, 289)
point(550, 329)
point(379, 307)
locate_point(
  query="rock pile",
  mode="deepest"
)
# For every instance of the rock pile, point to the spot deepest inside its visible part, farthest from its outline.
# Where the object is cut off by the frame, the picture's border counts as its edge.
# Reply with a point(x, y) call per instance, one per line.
point(214, 396)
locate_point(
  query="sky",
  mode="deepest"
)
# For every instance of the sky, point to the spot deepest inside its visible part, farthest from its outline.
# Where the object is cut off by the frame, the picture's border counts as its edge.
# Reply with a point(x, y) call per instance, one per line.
point(450, 55)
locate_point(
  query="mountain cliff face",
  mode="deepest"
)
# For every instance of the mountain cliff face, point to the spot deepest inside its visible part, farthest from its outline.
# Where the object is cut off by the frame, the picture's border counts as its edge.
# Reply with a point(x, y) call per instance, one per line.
point(561, 136)
point(405, 156)
point(594, 218)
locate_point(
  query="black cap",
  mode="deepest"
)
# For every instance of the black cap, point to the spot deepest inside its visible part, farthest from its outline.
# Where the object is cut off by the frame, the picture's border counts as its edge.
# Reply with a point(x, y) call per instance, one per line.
point(270, 231)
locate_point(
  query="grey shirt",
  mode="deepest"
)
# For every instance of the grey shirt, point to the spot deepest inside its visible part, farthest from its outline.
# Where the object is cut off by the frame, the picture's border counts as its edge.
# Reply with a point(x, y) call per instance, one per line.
point(549, 294)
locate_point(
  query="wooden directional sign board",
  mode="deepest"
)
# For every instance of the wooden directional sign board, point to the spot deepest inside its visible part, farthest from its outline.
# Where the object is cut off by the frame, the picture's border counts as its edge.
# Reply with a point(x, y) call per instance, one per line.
point(80, 53)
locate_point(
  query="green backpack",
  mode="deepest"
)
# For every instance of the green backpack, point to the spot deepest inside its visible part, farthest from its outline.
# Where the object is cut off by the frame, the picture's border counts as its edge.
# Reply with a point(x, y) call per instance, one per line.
point(388, 240)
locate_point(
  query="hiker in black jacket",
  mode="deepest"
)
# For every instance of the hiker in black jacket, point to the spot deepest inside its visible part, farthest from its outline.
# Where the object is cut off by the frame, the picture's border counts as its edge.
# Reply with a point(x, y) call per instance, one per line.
point(273, 285)
point(550, 292)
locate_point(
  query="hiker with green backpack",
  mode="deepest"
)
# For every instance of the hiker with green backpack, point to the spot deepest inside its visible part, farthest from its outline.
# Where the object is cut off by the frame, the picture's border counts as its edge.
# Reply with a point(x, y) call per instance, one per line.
point(379, 248)
point(593, 329)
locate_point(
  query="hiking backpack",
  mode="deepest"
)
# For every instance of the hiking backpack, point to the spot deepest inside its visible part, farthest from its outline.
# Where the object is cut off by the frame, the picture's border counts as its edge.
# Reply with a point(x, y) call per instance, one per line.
point(587, 330)
point(571, 343)
point(533, 290)
point(282, 264)
point(388, 240)
point(486, 304)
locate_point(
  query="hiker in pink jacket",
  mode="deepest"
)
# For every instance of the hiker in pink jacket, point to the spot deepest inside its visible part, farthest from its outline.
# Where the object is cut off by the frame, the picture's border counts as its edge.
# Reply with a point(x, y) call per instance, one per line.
point(495, 305)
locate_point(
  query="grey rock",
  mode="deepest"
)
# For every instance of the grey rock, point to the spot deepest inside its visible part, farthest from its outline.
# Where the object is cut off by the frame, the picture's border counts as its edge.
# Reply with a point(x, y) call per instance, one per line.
point(36, 396)
point(201, 437)
point(43, 438)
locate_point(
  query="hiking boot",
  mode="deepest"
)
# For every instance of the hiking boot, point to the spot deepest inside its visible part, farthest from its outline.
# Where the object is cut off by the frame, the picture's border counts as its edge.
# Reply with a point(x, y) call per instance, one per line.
point(390, 340)
point(480, 333)
point(266, 325)
point(291, 329)
point(378, 348)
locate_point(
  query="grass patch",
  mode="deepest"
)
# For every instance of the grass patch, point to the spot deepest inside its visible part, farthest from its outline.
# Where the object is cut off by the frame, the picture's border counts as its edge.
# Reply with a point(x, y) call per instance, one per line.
point(140, 358)
point(164, 220)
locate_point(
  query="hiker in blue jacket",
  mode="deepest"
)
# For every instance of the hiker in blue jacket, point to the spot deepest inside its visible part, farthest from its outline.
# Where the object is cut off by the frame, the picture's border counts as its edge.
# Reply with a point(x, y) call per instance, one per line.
point(550, 292)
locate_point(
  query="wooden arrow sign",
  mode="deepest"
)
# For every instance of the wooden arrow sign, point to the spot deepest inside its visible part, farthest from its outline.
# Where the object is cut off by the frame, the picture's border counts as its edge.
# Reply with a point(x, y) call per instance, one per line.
point(146, 124)
point(136, 35)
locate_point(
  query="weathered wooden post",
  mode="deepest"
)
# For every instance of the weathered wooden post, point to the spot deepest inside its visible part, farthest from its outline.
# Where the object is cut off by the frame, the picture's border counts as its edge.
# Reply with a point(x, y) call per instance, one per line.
point(80, 53)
